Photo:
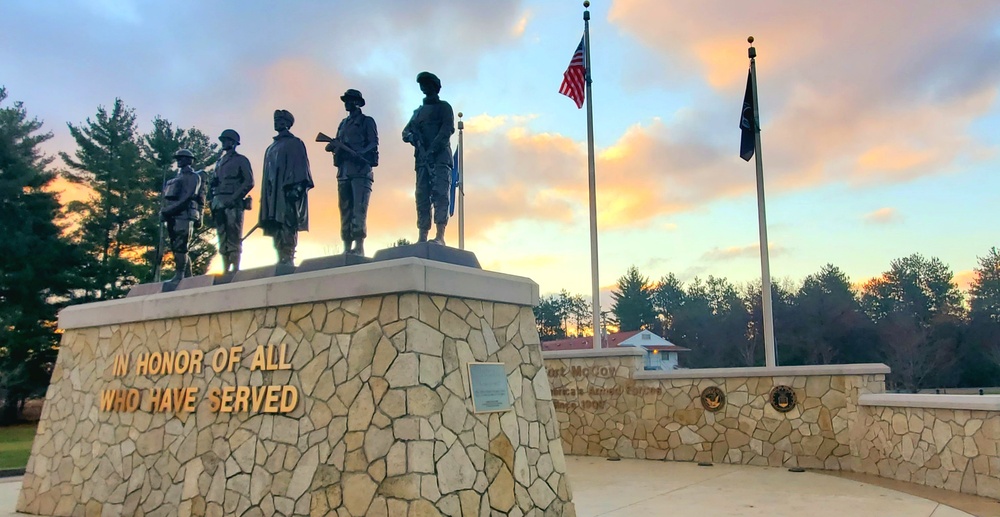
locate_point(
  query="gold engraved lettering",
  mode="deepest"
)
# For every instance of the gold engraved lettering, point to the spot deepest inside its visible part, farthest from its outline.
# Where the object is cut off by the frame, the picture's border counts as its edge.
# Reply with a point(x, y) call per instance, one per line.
point(242, 402)
point(270, 358)
point(289, 398)
point(166, 401)
point(271, 399)
point(155, 363)
point(190, 399)
point(234, 357)
point(154, 399)
point(258, 397)
point(227, 399)
point(258, 362)
point(121, 365)
point(121, 400)
point(107, 399)
point(197, 359)
point(280, 364)
point(132, 400)
point(214, 402)
point(168, 363)
point(219, 360)
point(182, 362)
point(142, 364)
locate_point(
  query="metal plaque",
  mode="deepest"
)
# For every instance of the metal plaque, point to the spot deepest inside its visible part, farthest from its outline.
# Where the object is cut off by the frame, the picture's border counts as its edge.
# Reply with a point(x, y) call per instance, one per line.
point(713, 399)
point(782, 398)
point(488, 384)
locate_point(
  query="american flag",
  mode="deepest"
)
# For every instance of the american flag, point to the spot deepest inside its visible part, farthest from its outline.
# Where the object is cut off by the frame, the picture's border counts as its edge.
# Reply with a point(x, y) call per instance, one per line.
point(573, 77)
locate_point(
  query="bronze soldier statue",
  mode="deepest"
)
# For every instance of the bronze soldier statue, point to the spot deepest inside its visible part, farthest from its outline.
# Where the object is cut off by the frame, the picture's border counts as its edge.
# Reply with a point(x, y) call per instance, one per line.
point(232, 181)
point(181, 211)
point(429, 131)
point(284, 206)
point(355, 152)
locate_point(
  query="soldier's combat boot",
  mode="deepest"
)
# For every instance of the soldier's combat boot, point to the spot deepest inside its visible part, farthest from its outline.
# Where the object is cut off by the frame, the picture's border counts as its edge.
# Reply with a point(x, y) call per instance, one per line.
point(423, 236)
point(180, 267)
point(439, 235)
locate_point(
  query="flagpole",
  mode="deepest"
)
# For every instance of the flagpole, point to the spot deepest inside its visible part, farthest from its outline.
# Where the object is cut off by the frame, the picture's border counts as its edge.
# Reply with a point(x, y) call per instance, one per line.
point(461, 183)
point(595, 285)
point(770, 354)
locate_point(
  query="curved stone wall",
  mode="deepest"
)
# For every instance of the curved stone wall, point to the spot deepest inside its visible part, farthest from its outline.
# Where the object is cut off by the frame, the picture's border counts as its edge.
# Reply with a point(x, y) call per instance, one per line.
point(608, 407)
point(945, 447)
point(842, 420)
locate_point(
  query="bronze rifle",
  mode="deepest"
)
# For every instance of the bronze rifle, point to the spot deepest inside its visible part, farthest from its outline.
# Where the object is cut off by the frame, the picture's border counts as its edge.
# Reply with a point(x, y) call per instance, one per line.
point(321, 137)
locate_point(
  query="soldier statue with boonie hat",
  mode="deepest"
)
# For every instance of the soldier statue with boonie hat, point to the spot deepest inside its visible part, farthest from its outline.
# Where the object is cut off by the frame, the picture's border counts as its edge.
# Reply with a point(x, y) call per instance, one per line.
point(355, 153)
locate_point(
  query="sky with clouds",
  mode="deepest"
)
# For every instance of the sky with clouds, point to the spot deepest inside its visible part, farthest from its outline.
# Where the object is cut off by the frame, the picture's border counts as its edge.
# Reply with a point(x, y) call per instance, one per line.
point(881, 123)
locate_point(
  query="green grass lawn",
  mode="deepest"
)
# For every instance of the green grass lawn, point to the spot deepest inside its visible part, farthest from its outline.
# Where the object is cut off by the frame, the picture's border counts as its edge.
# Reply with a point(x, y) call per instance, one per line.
point(15, 445)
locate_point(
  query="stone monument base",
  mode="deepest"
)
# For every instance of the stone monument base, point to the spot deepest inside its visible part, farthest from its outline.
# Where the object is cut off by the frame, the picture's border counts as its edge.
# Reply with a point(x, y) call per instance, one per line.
point(340, 392)
point(424, 250)
point(430, 251)
point(345, 259)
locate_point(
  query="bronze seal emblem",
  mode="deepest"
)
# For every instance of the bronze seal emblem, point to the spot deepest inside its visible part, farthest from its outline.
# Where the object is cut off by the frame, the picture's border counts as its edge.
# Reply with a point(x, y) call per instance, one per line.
point(782, 398)
point(713, 399)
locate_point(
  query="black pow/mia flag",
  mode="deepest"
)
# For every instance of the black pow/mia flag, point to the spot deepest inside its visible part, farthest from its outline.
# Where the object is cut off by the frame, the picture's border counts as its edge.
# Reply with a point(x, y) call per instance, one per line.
point(747, 122)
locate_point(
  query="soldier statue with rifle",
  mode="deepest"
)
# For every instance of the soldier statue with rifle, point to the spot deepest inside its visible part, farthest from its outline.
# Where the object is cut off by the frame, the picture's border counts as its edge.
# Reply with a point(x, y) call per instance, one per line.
point(429, 132)
point(181, 211)
point(230, 184)
point(355, 152)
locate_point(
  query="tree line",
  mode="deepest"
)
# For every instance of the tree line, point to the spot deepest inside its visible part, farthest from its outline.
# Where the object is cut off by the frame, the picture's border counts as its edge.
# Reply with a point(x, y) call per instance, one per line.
point(94, 249)
point(912, 317)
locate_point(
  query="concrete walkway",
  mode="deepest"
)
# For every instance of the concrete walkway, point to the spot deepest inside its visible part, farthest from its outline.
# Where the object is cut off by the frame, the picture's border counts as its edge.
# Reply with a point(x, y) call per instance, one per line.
point(637, 488)
point(634, 488)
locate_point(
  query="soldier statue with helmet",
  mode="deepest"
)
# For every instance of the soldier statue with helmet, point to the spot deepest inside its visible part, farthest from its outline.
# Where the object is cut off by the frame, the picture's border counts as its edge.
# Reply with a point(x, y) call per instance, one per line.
point(181, 211)
point(429, 132)
point(227, 196)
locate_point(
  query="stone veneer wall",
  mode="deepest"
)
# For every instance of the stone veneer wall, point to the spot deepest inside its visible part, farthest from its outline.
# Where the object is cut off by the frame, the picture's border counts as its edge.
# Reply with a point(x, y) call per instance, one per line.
point(956, 449)
point(383, 426)
point(609, 407)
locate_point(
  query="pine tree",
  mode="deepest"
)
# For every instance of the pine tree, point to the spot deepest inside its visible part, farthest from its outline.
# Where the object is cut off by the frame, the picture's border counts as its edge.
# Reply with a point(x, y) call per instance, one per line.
point(828, 325)
point(549, 318)
point(633, 301)
point(917, 309)
point(984, 292)
point(108, 162)
point(984, 323)
point(38, 262)
point(668, 298)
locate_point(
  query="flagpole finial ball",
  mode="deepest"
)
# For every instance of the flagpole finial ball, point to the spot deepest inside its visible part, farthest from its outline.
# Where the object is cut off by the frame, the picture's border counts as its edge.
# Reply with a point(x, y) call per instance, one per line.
point(750, 40)
point(586, 4)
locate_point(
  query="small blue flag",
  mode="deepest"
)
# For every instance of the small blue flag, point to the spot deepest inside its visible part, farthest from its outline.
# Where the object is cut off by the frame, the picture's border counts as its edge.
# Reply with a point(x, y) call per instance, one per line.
point(454, 185)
